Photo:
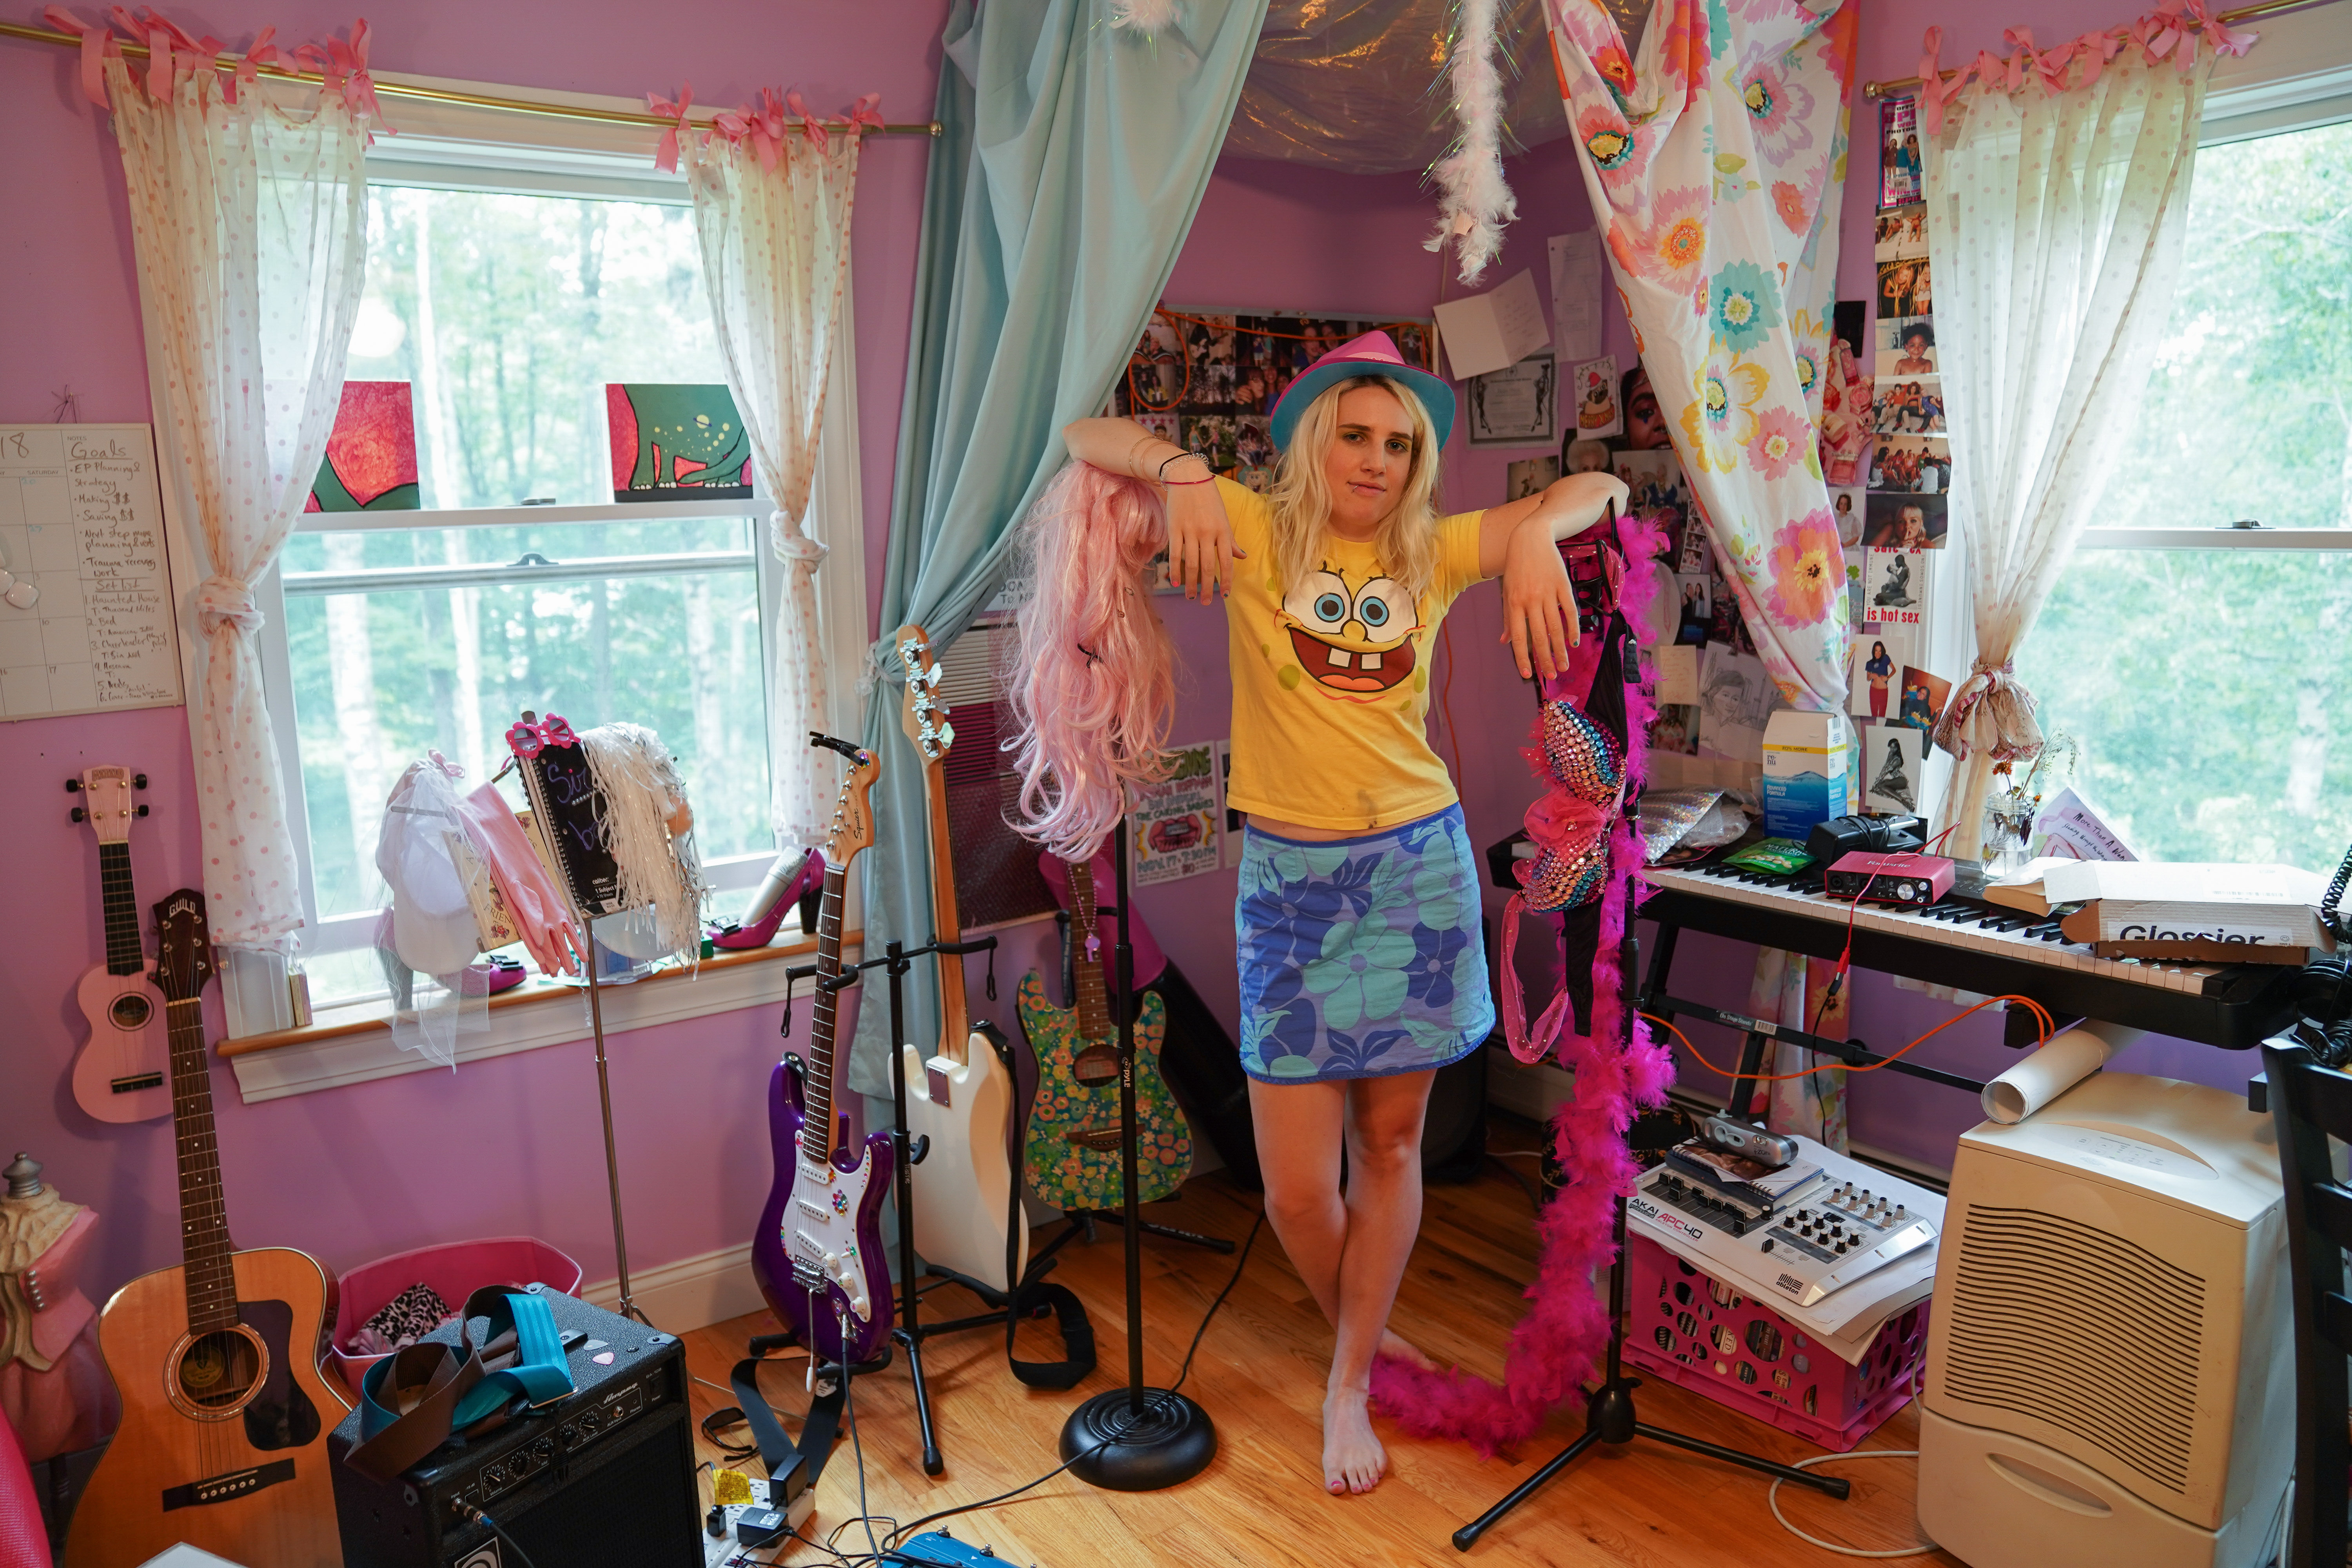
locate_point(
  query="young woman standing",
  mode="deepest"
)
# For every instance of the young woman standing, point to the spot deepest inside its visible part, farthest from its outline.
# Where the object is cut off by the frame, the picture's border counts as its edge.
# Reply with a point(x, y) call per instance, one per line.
point(1362, 966)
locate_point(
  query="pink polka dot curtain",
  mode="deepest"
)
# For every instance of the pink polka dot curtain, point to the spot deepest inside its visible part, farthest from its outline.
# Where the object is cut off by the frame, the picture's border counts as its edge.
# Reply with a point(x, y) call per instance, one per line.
point(250, 226)
point(1715, 158)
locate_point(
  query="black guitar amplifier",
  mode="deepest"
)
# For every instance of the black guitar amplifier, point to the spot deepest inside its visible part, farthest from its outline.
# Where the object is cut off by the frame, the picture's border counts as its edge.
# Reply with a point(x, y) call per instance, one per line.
point(603, 1475)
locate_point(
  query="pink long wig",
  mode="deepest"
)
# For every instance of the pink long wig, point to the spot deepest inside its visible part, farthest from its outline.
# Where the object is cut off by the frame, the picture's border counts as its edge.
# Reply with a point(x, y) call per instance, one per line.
point(1093, 692)
point(1561, 1338)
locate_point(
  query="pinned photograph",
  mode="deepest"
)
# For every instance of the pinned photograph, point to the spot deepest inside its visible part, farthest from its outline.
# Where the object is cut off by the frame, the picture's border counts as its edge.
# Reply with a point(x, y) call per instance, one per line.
point(1903, 233)
point(1895, 585)
point(1695, 554)
point(1890, 767)
point(1903, 288)
point(1873, 686)
point(1908, 406)
point(1654, 482)
point(1697, 613)
point(1215, 435)
point(1586, 456)
point(1847, 506)
point(1906, 346)
point(1254, 441)
point(1594, 386)
point(1899, 164)
point(1911, 465)
point(1923, 699)
point(1900, 520)
point(1676, 728)
point(1528, 476)
point(1517, 406)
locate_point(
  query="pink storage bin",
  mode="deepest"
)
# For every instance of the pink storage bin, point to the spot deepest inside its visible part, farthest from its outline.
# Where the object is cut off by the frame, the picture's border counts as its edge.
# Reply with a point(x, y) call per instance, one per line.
point(1695, 1332)
point(455, 1269)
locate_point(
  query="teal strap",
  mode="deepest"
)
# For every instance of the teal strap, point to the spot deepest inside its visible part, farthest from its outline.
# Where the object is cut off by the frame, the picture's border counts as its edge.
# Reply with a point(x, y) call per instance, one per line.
point(541, 1373)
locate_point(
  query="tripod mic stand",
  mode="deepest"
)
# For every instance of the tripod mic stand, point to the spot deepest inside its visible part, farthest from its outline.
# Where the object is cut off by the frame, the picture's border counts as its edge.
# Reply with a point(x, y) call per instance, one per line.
point(1608, 1415)
point(1134, 1439)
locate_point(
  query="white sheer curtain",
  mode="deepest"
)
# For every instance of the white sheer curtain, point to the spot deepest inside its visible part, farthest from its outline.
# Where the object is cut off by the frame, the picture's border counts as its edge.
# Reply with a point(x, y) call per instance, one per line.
point(2054, 223)
point(250, 227)
point(772, 212)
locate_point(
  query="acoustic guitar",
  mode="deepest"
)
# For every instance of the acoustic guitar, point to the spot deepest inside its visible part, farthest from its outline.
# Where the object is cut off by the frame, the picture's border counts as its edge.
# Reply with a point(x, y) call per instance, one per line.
point(1073, 1145)
point(961, 1096)
point(118, 1075)
point(223, 1442)
point(817, 1255)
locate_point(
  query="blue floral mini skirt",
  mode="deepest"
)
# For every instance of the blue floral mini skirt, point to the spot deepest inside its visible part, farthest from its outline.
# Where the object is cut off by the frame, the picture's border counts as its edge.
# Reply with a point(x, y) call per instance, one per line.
point(1360, 957)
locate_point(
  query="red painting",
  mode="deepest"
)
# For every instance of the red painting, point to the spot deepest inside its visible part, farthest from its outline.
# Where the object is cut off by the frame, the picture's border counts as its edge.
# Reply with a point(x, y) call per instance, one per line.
point(371, 463)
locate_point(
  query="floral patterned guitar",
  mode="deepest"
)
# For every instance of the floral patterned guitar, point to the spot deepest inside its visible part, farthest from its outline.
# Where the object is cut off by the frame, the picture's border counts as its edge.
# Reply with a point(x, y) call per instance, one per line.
point(1073, 1148)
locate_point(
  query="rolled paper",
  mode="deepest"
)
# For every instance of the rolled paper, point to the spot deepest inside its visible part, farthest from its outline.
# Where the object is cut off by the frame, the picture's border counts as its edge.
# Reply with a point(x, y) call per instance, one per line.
point(2065, 1061)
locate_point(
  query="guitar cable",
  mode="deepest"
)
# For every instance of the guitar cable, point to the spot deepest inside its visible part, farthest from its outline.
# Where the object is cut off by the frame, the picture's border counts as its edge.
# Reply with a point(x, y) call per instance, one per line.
point(884, 1550)
point(495, 1528)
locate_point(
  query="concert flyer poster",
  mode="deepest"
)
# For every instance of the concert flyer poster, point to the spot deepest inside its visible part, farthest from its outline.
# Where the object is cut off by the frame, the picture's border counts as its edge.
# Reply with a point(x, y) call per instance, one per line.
point(1173, 829)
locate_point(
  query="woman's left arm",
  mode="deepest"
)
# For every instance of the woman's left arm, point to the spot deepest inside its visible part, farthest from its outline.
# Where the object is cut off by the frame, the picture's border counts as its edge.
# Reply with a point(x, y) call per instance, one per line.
point(1519, 543)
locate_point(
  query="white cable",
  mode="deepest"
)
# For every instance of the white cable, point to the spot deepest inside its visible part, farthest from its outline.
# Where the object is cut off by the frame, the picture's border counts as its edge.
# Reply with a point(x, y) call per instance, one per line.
point(1773, 1497)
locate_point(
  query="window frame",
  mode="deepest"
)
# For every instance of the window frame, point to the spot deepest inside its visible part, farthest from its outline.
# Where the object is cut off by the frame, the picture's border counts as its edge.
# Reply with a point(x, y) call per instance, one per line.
point(2298, 77)
point(458, 145)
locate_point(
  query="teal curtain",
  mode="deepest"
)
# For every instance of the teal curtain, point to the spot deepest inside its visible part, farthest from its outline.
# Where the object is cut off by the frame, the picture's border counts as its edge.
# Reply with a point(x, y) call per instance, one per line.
point(1071, 158)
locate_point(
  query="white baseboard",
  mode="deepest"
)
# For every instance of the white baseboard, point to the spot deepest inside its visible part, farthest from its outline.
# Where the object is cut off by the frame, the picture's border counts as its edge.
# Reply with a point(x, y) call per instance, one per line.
point(691, 1293)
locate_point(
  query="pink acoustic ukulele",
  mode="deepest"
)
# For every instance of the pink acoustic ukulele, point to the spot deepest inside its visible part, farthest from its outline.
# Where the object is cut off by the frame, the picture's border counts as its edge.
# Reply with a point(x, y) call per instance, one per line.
point(119, 1074)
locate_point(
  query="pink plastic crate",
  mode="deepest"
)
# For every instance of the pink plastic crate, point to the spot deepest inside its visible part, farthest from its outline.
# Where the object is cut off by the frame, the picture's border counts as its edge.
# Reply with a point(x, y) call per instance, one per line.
point(1697, 1331)
point(455, 1269)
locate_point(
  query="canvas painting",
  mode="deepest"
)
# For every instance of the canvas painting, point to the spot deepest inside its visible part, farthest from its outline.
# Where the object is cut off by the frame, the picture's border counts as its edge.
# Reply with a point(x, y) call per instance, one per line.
point(673, 441)
point(370, 462)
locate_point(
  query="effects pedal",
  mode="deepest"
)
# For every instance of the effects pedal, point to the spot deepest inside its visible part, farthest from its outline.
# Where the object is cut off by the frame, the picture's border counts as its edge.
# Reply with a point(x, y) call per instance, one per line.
point(938, 1549)
point(1911, 880)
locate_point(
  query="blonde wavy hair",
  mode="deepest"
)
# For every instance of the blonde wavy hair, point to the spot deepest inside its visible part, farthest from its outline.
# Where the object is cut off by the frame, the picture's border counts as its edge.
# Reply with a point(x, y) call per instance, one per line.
point(1406, 540)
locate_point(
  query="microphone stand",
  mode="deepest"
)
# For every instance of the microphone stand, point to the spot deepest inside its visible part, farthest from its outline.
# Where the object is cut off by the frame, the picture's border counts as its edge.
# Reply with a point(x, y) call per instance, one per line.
point(1137, 1438)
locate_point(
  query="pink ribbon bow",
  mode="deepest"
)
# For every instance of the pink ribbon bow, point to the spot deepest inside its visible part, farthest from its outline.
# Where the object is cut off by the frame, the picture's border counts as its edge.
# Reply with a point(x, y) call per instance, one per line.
point(98, 45)
point(811, 126)
point(666, 155)
point(529, 740)
point(262, 52)
point(866, 113)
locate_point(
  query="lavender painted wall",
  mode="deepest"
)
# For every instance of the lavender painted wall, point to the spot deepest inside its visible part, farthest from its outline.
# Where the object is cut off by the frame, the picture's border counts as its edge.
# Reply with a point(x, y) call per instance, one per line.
point(510, 1145)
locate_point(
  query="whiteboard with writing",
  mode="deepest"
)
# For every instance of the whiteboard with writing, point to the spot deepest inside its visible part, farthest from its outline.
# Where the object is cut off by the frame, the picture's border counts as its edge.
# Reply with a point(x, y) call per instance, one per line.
point(82, 523)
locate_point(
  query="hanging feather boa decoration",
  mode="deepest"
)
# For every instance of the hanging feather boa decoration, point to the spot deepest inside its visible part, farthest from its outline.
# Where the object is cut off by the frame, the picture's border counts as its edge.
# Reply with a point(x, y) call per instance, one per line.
point(648, 828)
point(1588, 739)
point(1474, 200)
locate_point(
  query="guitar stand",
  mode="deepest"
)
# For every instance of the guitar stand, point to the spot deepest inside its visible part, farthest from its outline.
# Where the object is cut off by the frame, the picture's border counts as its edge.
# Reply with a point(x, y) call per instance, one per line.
point(1608, 1415)
point(907, 1152)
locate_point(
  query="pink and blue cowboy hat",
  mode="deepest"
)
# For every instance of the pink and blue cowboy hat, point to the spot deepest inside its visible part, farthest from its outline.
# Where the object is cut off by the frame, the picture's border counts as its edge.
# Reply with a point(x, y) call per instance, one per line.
point(1372, 354)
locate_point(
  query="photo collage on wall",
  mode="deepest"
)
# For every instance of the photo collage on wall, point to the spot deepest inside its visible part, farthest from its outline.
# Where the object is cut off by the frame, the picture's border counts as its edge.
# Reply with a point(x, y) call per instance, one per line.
point(1208, 381)
point(1895, 526)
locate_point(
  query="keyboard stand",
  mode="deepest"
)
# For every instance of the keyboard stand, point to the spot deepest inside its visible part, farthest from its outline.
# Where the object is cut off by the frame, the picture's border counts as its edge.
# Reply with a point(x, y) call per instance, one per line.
point(1655, 1000)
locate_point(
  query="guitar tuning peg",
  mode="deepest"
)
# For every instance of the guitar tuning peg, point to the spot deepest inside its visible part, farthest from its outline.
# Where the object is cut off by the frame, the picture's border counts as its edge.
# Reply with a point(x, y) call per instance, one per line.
point(73, 786)
point(947, 735)
point(142, 809)
point(932, 677)
point(78, 815)
point(138, 781)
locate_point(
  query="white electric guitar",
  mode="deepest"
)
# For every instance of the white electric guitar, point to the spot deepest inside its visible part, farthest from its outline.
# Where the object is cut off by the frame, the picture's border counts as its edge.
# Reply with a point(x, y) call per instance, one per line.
point(961, 1097)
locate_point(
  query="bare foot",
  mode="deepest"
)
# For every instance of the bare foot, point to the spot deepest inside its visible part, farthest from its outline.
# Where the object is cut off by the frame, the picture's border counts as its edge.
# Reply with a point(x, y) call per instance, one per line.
point(1404, 1351)
point(1354, 1459)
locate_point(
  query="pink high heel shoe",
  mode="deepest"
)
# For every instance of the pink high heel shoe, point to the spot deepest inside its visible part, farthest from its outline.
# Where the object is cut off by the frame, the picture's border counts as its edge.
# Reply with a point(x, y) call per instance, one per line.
point(785, 888)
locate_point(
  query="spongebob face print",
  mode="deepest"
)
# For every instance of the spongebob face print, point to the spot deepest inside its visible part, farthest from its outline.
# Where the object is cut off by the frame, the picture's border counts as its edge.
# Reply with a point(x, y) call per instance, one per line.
point(1353, 640)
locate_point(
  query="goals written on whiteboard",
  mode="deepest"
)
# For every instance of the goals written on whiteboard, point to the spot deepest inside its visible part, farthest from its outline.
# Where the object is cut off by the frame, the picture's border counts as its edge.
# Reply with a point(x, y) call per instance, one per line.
point(81, 524)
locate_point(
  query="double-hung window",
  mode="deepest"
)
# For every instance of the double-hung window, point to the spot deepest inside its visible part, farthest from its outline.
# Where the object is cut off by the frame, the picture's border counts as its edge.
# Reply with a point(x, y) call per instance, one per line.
point(509, 287)
point(2196, 645)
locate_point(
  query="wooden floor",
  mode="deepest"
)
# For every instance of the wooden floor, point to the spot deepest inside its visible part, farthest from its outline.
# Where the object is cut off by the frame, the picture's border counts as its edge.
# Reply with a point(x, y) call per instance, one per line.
point(1260, 1374)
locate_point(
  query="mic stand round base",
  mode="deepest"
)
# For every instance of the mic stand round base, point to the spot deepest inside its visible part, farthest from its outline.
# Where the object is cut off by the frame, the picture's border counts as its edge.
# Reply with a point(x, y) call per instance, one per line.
point(1137, 1440)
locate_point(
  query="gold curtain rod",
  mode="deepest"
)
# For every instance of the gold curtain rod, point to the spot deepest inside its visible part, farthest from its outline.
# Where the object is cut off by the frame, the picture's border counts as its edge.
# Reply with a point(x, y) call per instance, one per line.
point(443, 95)
point(1875, 90)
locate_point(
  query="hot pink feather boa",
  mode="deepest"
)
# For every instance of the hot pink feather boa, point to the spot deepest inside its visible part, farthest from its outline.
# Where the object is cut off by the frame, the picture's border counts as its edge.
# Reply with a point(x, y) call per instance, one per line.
point(1559, 1340)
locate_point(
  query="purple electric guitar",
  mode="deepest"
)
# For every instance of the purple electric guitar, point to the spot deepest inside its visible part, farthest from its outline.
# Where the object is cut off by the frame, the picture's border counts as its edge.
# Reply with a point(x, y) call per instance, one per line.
point(818, 1254)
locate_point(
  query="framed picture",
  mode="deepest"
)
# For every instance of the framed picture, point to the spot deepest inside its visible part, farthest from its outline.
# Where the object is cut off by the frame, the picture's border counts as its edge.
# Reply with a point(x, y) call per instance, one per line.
point(1518, 406)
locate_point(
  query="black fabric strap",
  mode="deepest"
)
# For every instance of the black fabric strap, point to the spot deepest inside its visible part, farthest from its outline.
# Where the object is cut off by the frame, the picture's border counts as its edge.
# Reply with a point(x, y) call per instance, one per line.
point(1029, 1290)
point(793, 1468)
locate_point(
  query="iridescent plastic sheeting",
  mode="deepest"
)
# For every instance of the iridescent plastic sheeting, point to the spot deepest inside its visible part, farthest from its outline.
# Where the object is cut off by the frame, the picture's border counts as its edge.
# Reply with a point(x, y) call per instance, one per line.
point(1353, 85)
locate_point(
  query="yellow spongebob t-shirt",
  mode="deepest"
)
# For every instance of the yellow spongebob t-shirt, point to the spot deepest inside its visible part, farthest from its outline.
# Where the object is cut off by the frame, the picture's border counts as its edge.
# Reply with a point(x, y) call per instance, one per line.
point(1331, 678)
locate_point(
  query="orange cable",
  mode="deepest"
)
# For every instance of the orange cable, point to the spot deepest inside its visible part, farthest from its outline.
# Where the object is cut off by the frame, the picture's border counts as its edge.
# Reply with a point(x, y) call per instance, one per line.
point(2049, 1028)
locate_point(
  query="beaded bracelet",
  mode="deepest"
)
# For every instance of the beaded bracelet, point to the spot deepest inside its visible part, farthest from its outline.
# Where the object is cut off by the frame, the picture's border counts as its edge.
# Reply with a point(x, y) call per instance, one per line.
point(1180, 458)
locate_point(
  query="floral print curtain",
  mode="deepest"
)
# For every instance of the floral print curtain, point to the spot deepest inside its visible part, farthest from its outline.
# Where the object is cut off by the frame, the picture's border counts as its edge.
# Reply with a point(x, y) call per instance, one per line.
point(1715, 159)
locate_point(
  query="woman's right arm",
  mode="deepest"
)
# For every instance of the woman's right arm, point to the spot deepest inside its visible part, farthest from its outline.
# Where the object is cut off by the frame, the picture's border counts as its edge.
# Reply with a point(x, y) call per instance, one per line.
point(1201, 549)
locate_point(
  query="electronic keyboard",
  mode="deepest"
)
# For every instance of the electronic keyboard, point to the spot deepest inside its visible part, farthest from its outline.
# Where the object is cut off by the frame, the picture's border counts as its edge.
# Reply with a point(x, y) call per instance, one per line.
point(1962, 941)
